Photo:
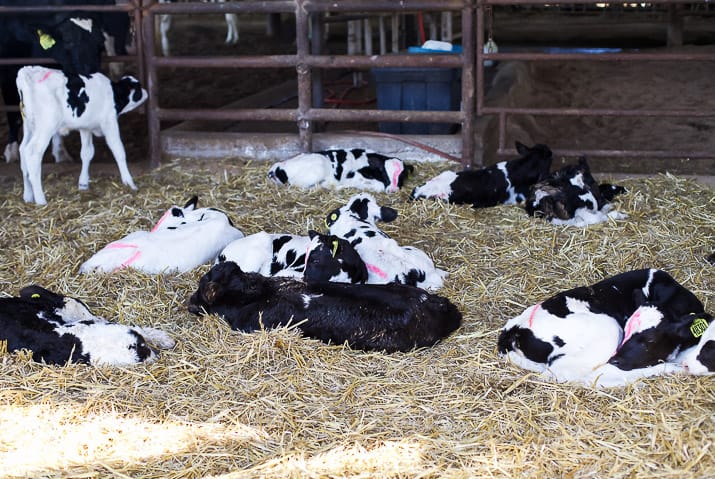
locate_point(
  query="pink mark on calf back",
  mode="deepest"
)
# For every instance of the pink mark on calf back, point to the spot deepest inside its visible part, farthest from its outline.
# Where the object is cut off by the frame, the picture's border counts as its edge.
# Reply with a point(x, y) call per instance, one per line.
point(161, 220)
point(533, 313)
point(45, 76)
point(374, 269)
point(396, 176)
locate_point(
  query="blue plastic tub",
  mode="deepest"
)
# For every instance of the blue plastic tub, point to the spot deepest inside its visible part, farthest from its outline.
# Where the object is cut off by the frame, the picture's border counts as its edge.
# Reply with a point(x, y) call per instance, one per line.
point(432, 89)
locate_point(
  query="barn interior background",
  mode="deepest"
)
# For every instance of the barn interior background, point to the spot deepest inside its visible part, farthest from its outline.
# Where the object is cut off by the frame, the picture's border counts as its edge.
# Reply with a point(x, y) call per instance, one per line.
point(273, 404)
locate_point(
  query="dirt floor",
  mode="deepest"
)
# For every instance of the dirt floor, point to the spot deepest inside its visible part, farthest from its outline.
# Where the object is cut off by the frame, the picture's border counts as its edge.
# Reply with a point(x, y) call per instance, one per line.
point(654, 85)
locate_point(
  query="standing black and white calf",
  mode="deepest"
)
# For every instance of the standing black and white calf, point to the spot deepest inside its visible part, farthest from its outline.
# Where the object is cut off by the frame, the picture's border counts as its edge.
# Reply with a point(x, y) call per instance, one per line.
point(74, 39)
point(385, 259)
point(49, 108)
point(506, 182)
point(571, 196)
point(181, 240)
point(59, 329)
point(612, 332)
point(391, 317)
point(355, 168)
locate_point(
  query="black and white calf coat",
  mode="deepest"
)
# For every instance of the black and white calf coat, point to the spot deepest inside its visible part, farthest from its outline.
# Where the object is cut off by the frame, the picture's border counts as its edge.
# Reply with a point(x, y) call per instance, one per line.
point(59, 330)
point(625, 327)
point(182, 239)
point(355, 168)
point(506, 182)
point(571, 196)
point(700, 359)
point(74, 39)
point(49, 108)
point(385, 259)
point(389, 317)
point(316, 257)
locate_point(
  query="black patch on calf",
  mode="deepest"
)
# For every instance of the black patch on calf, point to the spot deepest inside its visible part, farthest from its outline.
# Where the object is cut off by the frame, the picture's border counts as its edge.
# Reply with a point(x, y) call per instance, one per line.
point(280, 174)
point(124, 89)
point(331, 256)
point(77, 98)
point(558, 341)
point(523, 339)
point(706, 356)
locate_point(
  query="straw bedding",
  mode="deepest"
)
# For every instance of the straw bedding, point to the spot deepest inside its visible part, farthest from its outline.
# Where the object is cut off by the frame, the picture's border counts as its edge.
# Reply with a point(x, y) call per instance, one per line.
point(273, 404)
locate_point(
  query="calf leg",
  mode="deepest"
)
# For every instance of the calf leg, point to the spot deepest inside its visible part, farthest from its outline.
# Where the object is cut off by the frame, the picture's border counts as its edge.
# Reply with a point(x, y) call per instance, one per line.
point(231, 28)
point(59, 152)
point(11, 97)
point(31, 151)
point(114, 141)
point(86, 153)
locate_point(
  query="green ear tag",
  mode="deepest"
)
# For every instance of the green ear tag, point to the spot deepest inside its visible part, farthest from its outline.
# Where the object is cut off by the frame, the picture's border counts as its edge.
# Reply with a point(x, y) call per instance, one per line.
point(46, 41)
point(335, 247)
point(35, 296)
point(698, 327)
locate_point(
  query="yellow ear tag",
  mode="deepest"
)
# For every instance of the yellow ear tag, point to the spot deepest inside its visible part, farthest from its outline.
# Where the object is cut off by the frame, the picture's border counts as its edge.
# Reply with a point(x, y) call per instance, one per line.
point(698, 327)
point(35, 296)
point(22, 110)
point(335, 247)
point(46, 41)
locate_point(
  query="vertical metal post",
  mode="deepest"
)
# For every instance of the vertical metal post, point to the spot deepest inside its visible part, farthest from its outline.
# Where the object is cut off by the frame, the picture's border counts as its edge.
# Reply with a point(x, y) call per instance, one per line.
point(138, 39)
point(305, 97)
point(152, 113)
point(468, 83)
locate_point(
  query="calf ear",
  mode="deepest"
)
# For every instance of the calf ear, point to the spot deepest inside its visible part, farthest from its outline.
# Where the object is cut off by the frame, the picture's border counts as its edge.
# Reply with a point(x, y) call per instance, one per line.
point(521, 148)
point(388, 214)
point(693, 325)
point(191, 204)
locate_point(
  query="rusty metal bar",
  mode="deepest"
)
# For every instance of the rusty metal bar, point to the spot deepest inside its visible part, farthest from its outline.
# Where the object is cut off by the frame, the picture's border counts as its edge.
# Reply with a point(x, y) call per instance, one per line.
point(314, 61)
point(467, 108)
point(599, 112)
point(305, 82)
point(310, 114)
point(622, 153)
point(607, 57)
point(152, 82)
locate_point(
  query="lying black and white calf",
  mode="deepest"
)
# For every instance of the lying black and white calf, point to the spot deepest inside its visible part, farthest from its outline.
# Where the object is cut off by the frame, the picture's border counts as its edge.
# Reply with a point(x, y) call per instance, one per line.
point(59, 329)
point(49, 108)
point(385, 259)
point(571, 196)
point(506, 182)
point(181, 240)
point(319, 257)
point(629, 326)
point(355, 168)
point(389, 317)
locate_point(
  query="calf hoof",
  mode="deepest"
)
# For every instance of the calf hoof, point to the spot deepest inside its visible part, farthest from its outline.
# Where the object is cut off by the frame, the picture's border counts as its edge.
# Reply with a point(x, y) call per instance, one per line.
point(83, 186)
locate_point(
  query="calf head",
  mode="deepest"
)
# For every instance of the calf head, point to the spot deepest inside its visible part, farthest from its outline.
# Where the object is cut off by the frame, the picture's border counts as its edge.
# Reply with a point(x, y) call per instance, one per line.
point(75, 42)
point(330, 258)
point(180, 217)
point(128, 94)
point(362, 207)
point(226, 286)
point(56, 307)
point(652, 334)
point(391, 172)
point(531, 167)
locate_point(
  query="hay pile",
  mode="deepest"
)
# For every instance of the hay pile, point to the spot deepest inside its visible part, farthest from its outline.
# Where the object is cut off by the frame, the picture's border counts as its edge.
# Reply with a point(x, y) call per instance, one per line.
point(272, 404)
